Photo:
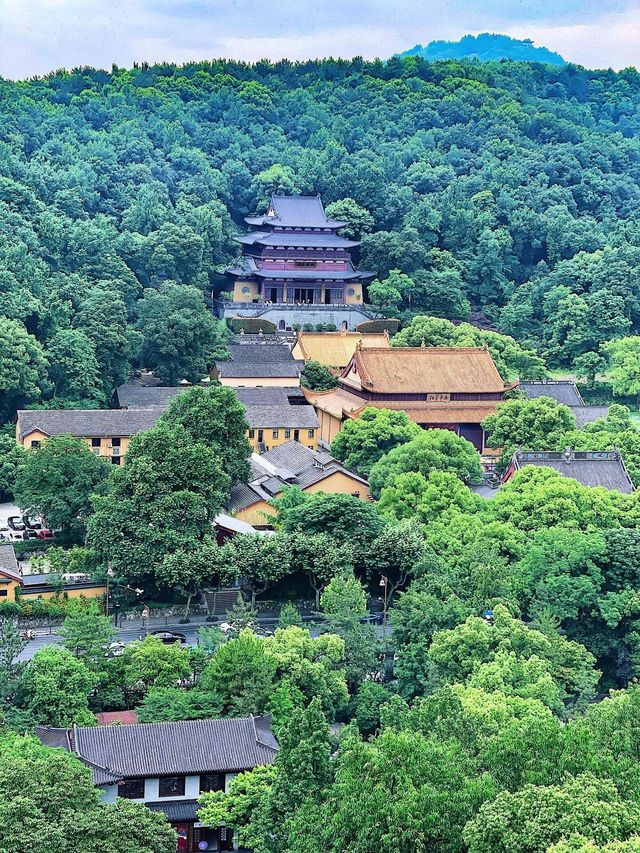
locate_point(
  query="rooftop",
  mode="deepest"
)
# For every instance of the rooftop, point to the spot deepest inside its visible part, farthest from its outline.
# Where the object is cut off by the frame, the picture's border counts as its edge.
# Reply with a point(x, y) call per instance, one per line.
point(270, 395)
point(289, 464)
point(248, 267)
point(563, 390)
point(422, 370)
point(259, 359)
point(8, 561)
point(133, 395)
point(295, 211)
point(282, 415)
point(587, 414)
point(335, 349)
point(341, 403)
point(157, 749)
point(591, 468)
point(87, 422)
point(295, 239)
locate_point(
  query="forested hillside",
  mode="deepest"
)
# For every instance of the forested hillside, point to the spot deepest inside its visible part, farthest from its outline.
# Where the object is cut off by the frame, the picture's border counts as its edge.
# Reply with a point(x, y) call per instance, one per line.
point(506, 188)
point(486, 47)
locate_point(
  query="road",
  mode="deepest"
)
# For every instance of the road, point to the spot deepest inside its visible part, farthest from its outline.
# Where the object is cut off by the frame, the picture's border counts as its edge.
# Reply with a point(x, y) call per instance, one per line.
point(129, 634)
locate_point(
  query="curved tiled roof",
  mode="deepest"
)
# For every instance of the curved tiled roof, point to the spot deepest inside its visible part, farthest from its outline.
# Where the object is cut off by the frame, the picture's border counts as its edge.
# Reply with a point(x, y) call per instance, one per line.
point(296, 211)
point(87, 422)
point(302, 239)
point(335, 349)
point(418, 370)
point(157, 749)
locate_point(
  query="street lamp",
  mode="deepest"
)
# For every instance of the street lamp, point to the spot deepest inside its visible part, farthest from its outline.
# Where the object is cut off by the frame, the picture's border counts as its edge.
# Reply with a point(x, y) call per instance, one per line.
point(145, 617)
point(384, 582)
point(109, 576)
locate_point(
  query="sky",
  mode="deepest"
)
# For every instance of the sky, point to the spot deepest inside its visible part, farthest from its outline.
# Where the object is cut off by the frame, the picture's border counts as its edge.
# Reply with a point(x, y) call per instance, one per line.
point(39, 36)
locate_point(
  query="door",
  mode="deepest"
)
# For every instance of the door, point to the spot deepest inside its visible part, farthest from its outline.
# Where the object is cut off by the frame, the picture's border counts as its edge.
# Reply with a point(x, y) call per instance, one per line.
point(473, 433)
point(260, 436)
point(273, 294)
point(296, 435)
point(225, 838)
point(327, 296)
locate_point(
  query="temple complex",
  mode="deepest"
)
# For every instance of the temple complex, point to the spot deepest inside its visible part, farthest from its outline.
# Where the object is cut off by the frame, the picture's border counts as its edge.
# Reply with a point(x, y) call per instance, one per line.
point(452, 388)
point(296, 268)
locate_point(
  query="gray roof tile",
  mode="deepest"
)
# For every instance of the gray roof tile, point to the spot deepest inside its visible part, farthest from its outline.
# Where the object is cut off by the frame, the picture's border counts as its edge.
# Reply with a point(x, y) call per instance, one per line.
point(588, 414)
point(562, 390)
point(282, 416)
point(8, 560)
point(288, 464)
point(591, 468)
point(87, 422)
point(157, 749)
point(132, 395)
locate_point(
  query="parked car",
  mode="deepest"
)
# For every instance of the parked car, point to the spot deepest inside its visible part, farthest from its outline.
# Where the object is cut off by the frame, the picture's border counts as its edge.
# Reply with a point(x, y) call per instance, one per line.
point(45, 534)
point(169, 637)
point(31, 523)
point(16, 523)
point(16, 535)
point(115, 650)
point(30, 534)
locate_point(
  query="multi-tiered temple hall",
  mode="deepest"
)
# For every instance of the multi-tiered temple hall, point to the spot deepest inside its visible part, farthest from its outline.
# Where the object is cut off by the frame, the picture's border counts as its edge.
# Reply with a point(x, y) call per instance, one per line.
point(296, 268)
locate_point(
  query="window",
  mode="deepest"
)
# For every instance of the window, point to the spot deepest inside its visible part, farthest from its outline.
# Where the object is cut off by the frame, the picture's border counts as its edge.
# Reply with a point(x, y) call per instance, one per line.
point(287, 433)
point(115, 442)
point(275, 433)
point(115, 460)
point(35, 443)
point(311, 433)
point(131, 789)
point(171, 786)
point(211, 782)
point(252, 433)
point(95, 442)
point(3, 593)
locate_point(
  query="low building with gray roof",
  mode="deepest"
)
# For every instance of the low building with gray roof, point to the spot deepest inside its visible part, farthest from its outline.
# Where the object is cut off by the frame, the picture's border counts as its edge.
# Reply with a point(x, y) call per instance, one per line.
point(292, 464)
point(166, 766)
point(604, 468)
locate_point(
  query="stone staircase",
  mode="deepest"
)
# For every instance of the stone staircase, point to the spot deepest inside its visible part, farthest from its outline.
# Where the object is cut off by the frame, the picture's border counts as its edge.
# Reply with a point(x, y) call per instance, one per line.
point(219, 601)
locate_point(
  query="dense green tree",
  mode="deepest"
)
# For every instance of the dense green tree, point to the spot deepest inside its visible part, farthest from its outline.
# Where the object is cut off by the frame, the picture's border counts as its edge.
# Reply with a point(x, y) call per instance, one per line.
point(317, 377)
point(431, 450)
point(11, 456)
point(363, 441)
point(180, 338)
point(23, 367)
point(241, 674)
point(531, 820)
point(74, 370)
point(347, 519)
point(530, 424)
point(151, 663)
point(87, 633)
point(172, 704)
point(624, 358)
point(58, 480)
point(515, 659)
point(162, 501)
point(215, 417)
point(347, 210)
point(52, 794)
point(54, 688)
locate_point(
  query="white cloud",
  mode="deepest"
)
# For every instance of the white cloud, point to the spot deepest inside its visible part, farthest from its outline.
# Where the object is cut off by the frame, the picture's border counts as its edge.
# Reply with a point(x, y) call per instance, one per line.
point(38, 36)
point(610, 41)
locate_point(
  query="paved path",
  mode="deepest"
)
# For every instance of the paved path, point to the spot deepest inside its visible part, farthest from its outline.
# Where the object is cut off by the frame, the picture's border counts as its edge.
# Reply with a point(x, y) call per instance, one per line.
point(130, 633)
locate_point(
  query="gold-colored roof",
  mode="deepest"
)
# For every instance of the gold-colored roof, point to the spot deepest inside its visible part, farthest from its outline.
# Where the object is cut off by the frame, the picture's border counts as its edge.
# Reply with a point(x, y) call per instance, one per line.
point(422, 370)
point(335, 349)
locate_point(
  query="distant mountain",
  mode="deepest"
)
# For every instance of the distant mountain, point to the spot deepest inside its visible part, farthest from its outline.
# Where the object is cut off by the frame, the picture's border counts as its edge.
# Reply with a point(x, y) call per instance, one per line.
point(486, 47)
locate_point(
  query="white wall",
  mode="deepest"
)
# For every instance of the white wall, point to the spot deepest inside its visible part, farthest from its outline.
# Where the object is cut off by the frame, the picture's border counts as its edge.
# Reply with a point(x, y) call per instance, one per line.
point(151, 786)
